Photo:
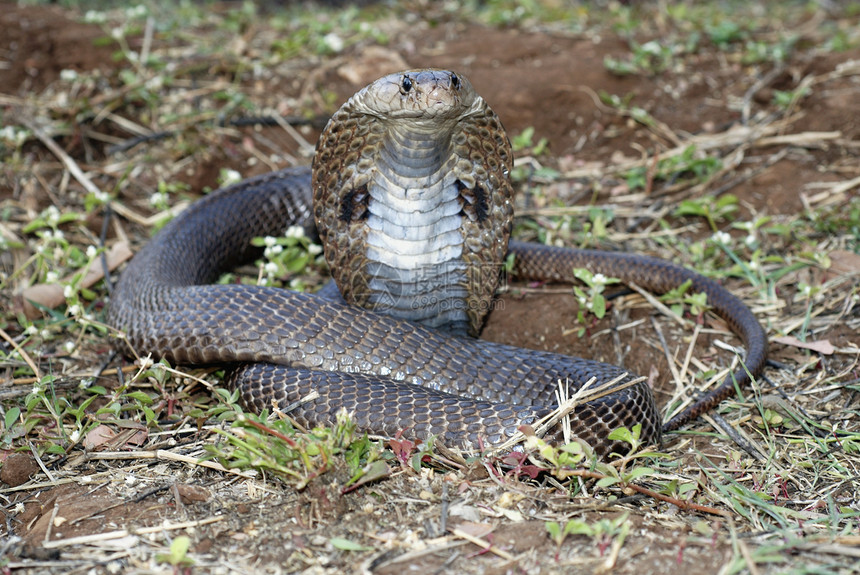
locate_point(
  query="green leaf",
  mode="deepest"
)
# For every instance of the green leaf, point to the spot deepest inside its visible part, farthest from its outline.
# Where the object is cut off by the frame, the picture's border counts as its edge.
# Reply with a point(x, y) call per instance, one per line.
point(554, 531)
point(621, 434)
point(691, 208)
point(523, 140)
point(638, 472)
point(578, 527)
point(140, 396)
point(598, 306)
point(607, 481)
point(12, 416)
point(376, 470)
point(179, 549)
point(347, 545)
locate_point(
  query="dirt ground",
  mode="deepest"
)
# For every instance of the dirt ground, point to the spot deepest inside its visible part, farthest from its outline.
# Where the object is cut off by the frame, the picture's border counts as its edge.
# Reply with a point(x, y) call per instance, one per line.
point(531, 77)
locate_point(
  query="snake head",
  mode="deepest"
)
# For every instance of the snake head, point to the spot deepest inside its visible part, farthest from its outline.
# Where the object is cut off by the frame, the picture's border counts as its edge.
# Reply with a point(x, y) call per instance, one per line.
point(418, 94)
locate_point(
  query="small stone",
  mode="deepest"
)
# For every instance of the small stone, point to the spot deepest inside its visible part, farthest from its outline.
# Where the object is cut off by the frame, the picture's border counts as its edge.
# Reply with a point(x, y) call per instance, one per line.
point(192, 493)
point(17, 469)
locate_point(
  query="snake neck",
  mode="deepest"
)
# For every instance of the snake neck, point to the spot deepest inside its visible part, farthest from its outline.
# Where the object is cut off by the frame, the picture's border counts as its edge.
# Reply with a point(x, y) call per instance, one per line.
point(414, 241)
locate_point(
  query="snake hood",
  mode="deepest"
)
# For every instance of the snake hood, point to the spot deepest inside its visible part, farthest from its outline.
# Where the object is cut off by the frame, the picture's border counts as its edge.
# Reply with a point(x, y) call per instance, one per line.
point(412, 199)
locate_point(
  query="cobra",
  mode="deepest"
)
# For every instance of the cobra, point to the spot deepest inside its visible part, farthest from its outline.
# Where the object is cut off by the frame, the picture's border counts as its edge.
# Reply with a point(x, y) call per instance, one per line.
point(410, 195)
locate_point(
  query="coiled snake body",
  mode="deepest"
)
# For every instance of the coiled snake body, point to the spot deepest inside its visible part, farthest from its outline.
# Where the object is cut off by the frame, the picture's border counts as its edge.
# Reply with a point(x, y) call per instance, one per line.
point(412, 202)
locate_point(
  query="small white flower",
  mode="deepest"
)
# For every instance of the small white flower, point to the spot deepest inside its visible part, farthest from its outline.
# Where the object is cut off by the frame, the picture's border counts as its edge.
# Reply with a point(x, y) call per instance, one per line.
point(14, 134)
point(750, 240)
point(52, 214)
point(31, 330)
point(721, 238)
point(101, 196)
point(270, 241)
point(117, 33)
point(295, 232)
point(19, 508)
point(45, 334)
point(68, 75)
point(68, 291)
point(271, 268)
point(92, 251)
point(230, 177)
point(136, 11)
point(58, 234)
point(652, 48)
point(598, 279)
point(334, 42)
point(51, 277)
point(158, 199)
point(273, 251)
point(74, 311)
point(74, 437)
point(69, 346)
point(95, 17)
point(315, 249)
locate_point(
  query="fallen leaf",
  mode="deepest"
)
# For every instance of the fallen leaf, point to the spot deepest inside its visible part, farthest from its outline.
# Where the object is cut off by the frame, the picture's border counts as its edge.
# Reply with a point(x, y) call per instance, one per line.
point(844, 262)
point(822, 346)
point(475, 528)
point(98, 435)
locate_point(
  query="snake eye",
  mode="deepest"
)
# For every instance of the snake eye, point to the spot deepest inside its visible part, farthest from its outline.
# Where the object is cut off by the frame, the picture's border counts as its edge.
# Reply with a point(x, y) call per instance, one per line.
point(406, 85)
point(455, 81)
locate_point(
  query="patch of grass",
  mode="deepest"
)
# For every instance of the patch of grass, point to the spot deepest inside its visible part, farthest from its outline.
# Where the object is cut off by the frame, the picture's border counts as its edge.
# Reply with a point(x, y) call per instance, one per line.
point(650, 58)
point(292, 257)
point(689, 165)
point(679, 298)
point(712, 209)
point(590, 297)
point(604, 532)
point(272, 445)
point(623, 104)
